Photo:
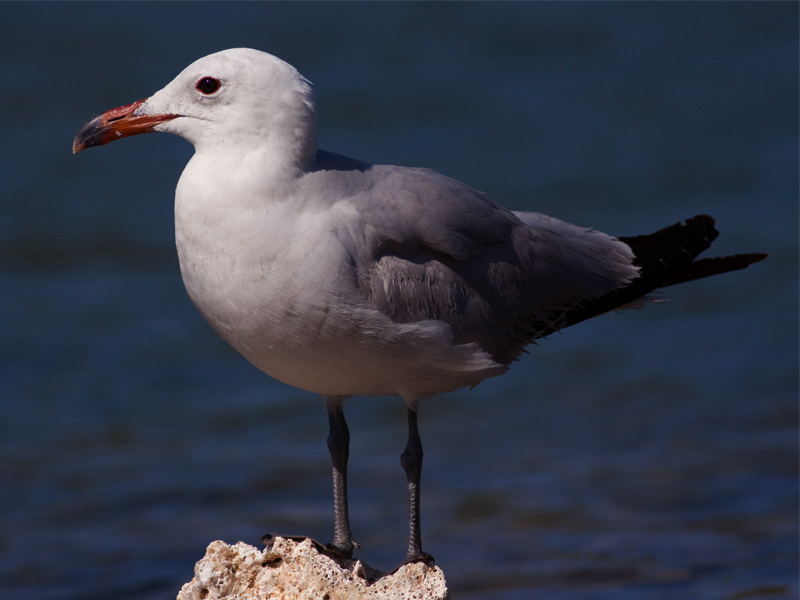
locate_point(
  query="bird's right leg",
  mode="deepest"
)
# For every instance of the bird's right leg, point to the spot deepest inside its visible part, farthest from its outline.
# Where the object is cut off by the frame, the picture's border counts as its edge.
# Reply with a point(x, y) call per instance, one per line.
point(339, 447)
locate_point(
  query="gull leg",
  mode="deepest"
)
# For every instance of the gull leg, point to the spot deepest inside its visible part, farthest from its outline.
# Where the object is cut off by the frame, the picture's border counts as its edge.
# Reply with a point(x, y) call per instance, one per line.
point(411, 461)
point(339, 447)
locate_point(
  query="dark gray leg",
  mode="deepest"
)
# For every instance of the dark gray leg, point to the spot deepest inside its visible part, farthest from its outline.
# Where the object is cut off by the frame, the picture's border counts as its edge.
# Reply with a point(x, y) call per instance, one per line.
point(339, 447)
point(411, 460)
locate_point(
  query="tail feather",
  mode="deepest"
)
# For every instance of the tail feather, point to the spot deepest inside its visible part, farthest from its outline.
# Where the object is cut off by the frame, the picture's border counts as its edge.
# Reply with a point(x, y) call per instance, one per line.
point(706, 267)
point(666, 257)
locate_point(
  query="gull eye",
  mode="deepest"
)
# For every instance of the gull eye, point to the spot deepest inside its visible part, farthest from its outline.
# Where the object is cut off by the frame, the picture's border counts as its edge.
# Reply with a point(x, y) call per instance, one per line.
point(208, 85)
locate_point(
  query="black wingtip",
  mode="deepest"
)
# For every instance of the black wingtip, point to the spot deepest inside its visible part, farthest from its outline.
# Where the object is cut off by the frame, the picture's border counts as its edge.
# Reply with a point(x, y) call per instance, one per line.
point(667, 257)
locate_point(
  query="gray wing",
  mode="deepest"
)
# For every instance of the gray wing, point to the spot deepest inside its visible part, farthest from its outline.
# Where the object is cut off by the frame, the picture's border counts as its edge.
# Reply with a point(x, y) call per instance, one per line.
point(425, 246)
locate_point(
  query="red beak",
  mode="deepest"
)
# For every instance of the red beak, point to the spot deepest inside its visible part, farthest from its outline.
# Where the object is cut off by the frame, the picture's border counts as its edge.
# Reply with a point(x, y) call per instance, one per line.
point(115, 124)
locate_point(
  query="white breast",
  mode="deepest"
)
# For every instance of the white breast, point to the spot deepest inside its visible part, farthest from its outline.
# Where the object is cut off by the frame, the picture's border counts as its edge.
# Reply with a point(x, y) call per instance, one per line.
point(273, 279)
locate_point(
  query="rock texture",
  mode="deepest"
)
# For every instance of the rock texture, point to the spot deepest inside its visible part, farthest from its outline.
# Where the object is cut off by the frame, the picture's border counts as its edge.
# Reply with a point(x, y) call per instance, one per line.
point(296, 570)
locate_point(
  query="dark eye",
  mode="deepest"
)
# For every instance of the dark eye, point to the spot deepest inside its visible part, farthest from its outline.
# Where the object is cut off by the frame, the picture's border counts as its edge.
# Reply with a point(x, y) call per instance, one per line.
point(208, 85)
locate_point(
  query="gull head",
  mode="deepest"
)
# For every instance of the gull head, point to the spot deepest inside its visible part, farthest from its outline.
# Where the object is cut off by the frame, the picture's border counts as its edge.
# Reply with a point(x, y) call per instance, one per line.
point(237, 100)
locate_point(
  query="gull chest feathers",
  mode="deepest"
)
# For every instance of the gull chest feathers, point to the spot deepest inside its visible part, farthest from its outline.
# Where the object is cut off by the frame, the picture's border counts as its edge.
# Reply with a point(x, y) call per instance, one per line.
point(260, 269)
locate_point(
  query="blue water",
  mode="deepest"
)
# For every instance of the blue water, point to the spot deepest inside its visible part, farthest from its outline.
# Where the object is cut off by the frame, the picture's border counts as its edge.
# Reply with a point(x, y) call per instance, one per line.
point(646, 455)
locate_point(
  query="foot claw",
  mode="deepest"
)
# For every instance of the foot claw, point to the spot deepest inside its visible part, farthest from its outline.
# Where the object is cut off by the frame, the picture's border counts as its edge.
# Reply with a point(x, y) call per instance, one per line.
point(327, 549)
point(342, 552)
point(419, 557)
point(422, 557)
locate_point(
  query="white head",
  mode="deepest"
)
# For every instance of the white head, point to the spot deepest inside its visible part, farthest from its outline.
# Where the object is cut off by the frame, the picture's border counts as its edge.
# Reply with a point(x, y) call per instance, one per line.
point(235, 100)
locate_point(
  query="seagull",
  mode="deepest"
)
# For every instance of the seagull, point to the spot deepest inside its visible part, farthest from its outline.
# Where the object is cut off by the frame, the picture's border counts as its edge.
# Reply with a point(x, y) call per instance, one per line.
point(343, 278)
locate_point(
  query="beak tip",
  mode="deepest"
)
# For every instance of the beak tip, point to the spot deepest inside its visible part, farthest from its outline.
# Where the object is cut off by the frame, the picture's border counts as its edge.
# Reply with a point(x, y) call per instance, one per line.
point(89, 135)
point(115, 124)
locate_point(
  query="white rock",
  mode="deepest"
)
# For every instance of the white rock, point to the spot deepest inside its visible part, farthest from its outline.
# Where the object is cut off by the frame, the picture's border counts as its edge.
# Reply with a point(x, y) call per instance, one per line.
point(292, 570)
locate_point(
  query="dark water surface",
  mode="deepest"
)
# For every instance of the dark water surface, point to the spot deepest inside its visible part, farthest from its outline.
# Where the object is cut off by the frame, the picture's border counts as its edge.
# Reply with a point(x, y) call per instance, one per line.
point(647, 455)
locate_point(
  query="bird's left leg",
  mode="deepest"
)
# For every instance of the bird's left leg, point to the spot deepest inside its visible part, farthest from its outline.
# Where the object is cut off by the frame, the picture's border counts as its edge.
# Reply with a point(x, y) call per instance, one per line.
point(411, 461)
point(339, 447)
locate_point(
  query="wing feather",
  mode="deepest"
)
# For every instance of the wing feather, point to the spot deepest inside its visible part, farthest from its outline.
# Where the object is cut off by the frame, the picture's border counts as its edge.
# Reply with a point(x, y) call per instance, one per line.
point(425, 246)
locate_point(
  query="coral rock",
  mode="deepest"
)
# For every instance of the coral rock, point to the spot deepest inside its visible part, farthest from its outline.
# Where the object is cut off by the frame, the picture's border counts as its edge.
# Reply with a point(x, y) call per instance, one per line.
point(296, 570)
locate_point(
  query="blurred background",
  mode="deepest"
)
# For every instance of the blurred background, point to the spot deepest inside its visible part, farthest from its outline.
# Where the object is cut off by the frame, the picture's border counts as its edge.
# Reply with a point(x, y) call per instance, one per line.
point(646, 455)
